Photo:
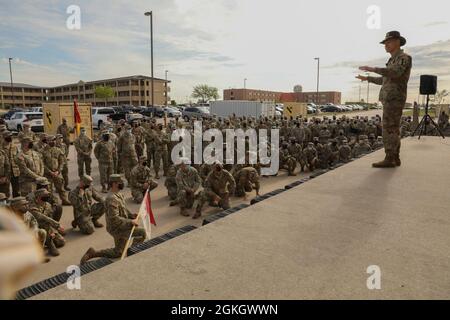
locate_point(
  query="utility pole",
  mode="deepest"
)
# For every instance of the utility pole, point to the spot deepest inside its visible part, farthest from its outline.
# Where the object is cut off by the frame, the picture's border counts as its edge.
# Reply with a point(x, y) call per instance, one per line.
point(318, 77)
point(12, 86)
point(150, 14)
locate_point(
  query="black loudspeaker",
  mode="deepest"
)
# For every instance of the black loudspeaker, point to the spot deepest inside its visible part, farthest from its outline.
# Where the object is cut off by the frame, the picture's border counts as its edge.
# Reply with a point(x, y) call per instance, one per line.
point(428, 84)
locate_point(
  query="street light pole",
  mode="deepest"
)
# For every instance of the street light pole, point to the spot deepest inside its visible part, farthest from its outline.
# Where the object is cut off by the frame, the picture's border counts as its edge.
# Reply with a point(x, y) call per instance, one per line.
point(359, 101)
point(150, 14)
point(245, 83)
point(368, 90)
point(167, 71)
point(12, 86)
point(318, 78)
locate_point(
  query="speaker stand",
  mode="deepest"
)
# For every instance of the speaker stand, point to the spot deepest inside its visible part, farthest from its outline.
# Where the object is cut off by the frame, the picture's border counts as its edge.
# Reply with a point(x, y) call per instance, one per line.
point(422, 127)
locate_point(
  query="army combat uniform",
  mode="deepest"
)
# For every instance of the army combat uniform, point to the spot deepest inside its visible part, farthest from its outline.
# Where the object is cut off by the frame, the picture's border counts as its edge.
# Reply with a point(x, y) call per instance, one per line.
point(141, 180)
point(83, 146)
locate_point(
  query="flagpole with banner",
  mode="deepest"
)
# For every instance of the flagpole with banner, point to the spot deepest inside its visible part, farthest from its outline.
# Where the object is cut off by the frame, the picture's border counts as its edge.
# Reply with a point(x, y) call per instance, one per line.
point(146, 215)
point(77, 117)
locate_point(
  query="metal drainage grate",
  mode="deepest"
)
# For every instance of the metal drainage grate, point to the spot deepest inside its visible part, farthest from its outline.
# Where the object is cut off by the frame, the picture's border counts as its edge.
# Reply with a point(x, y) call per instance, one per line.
point(154, 242)
point(223, 214)
point(60, 279)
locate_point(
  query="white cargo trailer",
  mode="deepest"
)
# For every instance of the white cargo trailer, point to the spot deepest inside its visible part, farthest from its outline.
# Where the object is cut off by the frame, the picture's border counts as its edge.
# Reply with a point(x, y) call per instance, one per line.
point(224, 109)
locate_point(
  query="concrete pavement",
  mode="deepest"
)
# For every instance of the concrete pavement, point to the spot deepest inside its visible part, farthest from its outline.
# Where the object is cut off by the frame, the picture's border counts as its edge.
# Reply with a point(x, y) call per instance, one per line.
point(315, 241)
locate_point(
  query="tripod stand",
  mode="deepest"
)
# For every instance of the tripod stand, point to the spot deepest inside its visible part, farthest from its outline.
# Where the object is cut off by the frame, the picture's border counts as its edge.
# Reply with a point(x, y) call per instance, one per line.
point(426, 120)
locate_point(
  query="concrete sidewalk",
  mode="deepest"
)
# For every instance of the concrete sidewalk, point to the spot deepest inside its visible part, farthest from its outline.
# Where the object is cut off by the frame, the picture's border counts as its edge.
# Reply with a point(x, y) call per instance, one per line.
point(315, 241)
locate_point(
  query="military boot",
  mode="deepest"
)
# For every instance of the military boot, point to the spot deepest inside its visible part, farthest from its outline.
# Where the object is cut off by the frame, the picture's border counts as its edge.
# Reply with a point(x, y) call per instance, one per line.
point(52, 248)
point(64, 200)
point(388, 162)
point(90, 254)
point(97, 224)
point(183, 212)
point(398, 162)
point(74, 224)
point(198, 213)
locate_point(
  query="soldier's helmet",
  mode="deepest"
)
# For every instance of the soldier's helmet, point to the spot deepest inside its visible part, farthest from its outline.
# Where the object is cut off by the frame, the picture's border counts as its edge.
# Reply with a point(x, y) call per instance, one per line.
point(42, 181)
point(87, 180)
point(116, 178)
point(17, 202)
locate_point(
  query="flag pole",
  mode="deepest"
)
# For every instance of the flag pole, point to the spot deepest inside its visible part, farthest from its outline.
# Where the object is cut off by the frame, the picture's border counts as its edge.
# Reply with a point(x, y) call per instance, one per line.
point(127, 245)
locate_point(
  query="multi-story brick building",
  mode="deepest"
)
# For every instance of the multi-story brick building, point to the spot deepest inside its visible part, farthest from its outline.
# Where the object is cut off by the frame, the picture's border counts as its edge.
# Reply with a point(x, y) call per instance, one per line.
point(134, 90)
point(273, 96)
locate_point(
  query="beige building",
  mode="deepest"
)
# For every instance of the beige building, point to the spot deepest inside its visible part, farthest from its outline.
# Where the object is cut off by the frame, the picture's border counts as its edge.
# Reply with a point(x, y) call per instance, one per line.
point(134, 90)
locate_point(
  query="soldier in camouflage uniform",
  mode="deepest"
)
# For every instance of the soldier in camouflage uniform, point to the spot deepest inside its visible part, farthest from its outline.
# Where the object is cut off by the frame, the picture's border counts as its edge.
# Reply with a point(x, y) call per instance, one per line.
point(141, 180)
point(218, 187)
point(42, 211)
point(26, 133)
point(127, 152)
point(161, 142)
point(104, 151)
point(54, 159)
point(119, 223)
point(287, 161)
point(83, 146)
point(188, 181)
point(247, 179)
point(139, 134)
point(11, 152)
point(31, 167)
point(57, 209)
point(394, 80)
point(5, 173)
point(86, 213)
point(171, 183)
point(345, 152)
point(64, 130)
point(310, 155)
point(65, 170)
point(378, 144)
point(41, 144)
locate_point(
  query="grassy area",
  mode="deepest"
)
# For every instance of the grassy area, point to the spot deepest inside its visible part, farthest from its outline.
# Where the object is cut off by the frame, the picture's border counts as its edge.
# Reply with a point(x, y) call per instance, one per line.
point(409, 112)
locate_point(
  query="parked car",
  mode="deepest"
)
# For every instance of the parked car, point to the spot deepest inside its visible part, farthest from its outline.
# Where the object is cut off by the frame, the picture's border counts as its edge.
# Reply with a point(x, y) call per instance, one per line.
point(198, 112)
point(34, 119)
point(10, 113)
point(331, 108)
point(172, 112)
point(100, 114)
point(153, 112)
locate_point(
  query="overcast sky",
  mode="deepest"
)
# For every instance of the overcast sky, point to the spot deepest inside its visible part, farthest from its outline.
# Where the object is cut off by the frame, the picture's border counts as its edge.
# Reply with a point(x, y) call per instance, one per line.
point(221, 42)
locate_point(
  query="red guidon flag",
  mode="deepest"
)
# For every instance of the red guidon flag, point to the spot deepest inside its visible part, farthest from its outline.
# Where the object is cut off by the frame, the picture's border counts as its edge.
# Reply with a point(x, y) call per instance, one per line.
point(77, 117)
point(146, 214)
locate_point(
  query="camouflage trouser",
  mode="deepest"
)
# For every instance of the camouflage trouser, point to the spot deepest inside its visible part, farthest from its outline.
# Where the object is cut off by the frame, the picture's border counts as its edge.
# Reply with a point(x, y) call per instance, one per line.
point(311, 163)
point(4, 188)
point(115, 164)
point(127, 165)
point(85, 221)
point(58, 239)
point(150, 155)
point(139, 149)
point(58, 182)
point(185, 200)
point(243, 185)
point(65, 174)
point(26, 187)
point(209, 195)
point(84, 162)
point(120, 240)
point(172, 192)
point(41, 235)
point(105, 169)
point(290, 164)
point(392, 113)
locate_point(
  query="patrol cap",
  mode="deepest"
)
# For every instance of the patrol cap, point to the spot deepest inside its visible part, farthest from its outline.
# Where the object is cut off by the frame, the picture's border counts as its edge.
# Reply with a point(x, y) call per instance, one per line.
point(26, 124)
point(42, 181)
point(26, 140)
point(17, 201)
point(116, 178)
point(59, 136)
point(51, 138)
point(7, 134)
point(42, 192)
point(394, 35)
point(3, 197)
point(87, 179)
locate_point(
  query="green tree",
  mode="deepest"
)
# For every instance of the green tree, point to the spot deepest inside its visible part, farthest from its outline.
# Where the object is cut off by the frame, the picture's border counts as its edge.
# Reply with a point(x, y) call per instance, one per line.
point(205, 93)
point(104, 92)
point(440, 96)
point(173, 103)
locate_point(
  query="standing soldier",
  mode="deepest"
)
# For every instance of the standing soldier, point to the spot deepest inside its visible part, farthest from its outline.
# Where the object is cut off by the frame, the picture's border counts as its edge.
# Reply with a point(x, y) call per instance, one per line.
point(119, 223)
point(5, 173)
point(54, 159)
point(31, 167)
point(85, 212)
point(64, 130)
point(104, 151)
point(41, 144)
point(394, 80)
point(26, 133)
point(65, 170)
point(188, 182)
point(127, 151)
point(161, 141)
point(83, 146)
point(11, 151)
point(139, 135)
point(141, 180)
